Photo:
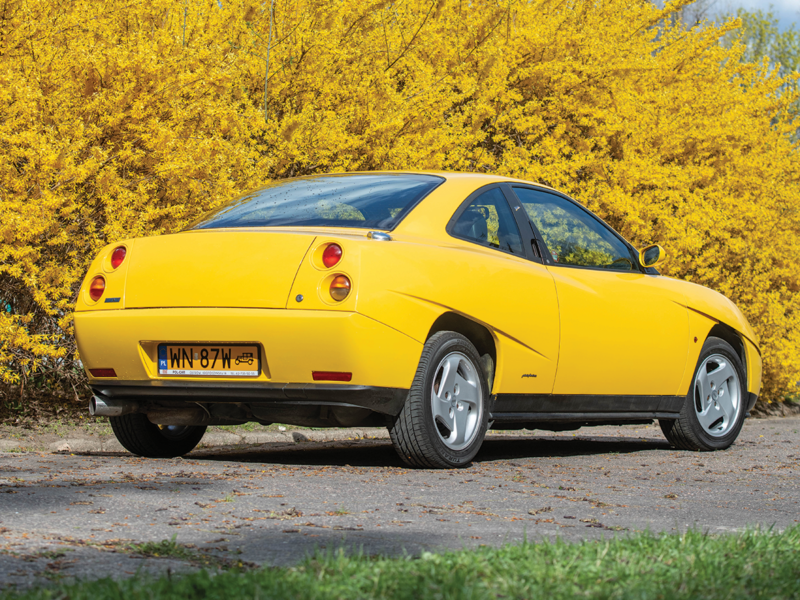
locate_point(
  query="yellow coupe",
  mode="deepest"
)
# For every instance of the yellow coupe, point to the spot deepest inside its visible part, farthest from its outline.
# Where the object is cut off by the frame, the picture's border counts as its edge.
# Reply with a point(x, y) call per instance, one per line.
point(435, 304)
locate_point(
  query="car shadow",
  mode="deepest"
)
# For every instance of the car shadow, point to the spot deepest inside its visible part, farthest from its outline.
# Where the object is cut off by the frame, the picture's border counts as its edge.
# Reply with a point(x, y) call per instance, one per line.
point(380, 453)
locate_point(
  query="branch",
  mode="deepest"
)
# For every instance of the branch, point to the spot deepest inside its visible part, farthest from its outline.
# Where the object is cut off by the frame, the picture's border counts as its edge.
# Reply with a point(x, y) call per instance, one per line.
point(411, 41)
point(266, 75)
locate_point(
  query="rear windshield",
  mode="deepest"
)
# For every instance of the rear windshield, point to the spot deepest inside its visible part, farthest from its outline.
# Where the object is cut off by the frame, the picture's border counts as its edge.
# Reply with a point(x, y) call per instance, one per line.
point(377, 201)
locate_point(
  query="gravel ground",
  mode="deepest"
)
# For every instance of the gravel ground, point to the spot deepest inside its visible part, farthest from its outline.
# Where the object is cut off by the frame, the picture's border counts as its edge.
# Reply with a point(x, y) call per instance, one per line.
point(75, 506)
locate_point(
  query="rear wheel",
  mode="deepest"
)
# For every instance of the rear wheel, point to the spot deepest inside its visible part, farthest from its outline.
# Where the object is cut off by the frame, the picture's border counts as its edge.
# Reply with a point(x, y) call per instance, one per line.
point(445, 416)
point(143, 438)
point(714, 410)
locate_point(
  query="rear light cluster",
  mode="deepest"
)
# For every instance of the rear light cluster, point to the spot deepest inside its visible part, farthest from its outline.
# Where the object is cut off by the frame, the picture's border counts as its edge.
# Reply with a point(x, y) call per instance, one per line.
point(340, 288)
point(97, 287)
point(340, 284)
point(117, 256)
point(332, 255)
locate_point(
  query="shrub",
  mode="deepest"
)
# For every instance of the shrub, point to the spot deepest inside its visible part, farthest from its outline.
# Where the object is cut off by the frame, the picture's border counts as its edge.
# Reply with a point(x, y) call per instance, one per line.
point(120, 120)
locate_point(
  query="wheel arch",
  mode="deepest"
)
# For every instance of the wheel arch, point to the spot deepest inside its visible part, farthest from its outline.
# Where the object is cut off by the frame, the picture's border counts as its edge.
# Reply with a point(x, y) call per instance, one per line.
point(479, 335)
point(730, 335)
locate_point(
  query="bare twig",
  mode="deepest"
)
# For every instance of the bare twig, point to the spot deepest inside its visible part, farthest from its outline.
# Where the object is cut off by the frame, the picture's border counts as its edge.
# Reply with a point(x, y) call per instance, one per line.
point(266, 75)
point(411, 41)
point(185, 13)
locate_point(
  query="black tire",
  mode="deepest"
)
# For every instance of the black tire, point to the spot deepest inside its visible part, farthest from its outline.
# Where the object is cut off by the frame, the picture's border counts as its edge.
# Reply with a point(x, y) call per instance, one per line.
point(688, 432)
point(141, 437)
point(417, 438)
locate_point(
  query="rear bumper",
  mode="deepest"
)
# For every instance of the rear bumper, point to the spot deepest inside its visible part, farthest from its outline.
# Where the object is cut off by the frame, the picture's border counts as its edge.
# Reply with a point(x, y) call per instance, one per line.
point(388, 401)
point(292, 344)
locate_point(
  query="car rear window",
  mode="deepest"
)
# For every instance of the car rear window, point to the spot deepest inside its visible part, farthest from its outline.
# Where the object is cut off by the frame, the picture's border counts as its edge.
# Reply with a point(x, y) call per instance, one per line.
point(378, 201)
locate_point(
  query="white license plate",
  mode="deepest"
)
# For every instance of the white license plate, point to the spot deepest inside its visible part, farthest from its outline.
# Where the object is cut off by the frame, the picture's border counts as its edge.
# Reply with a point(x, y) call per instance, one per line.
point(208, 360)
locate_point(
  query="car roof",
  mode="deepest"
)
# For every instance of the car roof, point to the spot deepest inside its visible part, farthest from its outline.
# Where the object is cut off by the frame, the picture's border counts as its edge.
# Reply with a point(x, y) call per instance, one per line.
point(430, 217)
point(485, 178)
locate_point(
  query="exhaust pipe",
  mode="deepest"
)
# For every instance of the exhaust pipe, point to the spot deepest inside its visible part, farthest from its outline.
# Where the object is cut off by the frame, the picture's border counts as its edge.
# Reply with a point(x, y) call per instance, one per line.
point(178, 416)
point(101, 406)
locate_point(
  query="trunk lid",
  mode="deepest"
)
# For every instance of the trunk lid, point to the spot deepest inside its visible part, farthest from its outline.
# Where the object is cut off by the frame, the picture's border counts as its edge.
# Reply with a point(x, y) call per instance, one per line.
point(244, 269)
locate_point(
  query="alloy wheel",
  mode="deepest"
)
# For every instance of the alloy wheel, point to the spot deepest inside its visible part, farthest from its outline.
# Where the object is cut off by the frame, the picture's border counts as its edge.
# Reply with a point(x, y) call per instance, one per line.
point(456, 401)
point(717, 400)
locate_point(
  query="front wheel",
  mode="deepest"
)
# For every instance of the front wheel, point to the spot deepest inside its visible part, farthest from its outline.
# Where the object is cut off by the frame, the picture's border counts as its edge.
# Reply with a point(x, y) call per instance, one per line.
point(143, 438)
point(714, 410)
point(445, 416)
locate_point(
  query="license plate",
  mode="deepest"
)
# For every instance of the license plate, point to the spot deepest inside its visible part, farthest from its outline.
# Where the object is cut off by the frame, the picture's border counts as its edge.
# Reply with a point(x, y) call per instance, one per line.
point(212, 360)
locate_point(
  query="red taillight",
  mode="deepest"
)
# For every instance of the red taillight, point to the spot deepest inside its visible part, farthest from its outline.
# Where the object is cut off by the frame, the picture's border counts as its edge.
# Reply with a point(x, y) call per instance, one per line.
point(96, 288)
point(118, 256)
point(331, 376)
point(103, 372)
point(332, 255)
point(340, 288)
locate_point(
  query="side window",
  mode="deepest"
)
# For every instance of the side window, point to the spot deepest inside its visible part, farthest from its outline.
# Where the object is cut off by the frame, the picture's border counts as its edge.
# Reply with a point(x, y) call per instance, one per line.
point(488, 221)
point(572, 235)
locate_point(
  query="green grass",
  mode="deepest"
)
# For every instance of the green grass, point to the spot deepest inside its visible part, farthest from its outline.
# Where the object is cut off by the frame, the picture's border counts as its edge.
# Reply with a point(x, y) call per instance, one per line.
point(172, 549)
point(754, 564)
point(164, 549)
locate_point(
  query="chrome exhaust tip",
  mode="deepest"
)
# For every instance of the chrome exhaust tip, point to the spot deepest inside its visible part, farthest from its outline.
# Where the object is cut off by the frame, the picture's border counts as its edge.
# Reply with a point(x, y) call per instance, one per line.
point(100, 406)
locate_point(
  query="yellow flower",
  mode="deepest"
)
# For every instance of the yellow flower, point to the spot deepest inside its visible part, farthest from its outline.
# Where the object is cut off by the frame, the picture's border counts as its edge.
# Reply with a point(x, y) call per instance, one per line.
point(120, 120)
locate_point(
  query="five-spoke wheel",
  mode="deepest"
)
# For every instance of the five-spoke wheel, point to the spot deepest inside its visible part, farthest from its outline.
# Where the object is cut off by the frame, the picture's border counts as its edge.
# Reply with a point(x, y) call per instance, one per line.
point(713, 413)
point(717, 395)
point(456, 401)
point(445, 416)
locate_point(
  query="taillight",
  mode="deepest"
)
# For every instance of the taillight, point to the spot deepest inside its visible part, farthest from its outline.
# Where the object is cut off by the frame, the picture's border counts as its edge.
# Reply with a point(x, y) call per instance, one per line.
point(331, 255)
point(96, 288)
point(103, 372)
point(118, 256)
point(340, 287)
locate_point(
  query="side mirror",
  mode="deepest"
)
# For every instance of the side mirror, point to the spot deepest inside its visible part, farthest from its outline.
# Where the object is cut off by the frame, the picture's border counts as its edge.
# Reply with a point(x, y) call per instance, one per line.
point(651, 256)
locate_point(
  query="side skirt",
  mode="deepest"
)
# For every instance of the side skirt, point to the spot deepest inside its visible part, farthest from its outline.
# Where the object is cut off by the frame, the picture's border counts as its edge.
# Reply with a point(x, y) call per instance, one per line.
point(534, 408)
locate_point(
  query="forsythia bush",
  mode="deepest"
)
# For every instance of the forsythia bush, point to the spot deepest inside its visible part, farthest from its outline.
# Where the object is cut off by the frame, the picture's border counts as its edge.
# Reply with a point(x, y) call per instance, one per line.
point(122, 118)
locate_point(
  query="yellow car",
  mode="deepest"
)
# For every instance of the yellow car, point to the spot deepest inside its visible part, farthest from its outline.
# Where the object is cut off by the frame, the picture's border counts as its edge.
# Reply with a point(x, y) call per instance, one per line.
point(435, 304)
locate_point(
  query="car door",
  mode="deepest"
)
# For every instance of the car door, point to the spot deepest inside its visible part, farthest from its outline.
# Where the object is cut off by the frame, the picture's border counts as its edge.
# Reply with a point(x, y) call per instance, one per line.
point(510, 284)
point(622, 332)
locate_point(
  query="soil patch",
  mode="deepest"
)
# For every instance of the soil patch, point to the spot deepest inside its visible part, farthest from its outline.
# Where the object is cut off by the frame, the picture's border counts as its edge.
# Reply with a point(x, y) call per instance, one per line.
point(20, 405)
